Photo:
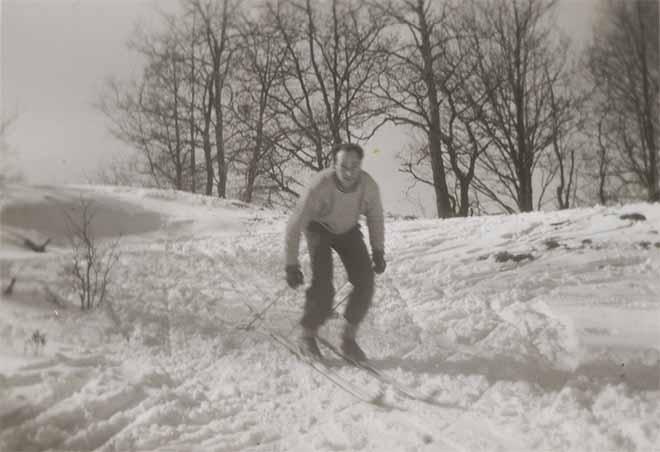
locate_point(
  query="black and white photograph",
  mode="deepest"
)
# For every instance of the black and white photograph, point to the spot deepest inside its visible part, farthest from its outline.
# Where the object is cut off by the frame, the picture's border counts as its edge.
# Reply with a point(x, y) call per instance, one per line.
point(329, 225)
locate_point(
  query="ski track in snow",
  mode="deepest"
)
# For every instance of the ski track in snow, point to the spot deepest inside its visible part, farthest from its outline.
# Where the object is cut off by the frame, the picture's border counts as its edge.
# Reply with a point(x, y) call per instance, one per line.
point(560, 352)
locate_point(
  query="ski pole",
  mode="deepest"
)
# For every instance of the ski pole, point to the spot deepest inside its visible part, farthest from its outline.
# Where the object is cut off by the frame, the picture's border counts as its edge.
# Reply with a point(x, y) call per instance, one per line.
point(259, 315)
point(343, 300)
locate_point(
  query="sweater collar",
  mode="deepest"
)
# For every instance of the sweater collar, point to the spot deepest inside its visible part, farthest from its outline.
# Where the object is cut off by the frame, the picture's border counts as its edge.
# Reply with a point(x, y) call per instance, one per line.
point(342, 189)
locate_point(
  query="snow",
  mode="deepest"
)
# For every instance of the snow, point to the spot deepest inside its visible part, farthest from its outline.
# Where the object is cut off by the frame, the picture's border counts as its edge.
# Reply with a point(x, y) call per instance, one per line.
point(556, 351)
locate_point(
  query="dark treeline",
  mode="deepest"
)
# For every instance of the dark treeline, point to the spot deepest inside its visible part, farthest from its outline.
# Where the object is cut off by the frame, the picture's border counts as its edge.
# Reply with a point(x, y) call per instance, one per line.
point(245, 99)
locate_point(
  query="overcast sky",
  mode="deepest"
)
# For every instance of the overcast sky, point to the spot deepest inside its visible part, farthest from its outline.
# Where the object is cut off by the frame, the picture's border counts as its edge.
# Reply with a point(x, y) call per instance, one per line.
point(56, 54)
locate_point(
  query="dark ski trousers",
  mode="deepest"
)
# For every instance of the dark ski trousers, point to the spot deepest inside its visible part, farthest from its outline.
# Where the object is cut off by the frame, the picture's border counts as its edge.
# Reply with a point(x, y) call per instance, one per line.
point(353, 252)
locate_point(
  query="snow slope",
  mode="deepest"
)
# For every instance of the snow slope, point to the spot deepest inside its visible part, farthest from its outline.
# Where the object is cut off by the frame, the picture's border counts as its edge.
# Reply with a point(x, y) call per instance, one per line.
point(537, 331)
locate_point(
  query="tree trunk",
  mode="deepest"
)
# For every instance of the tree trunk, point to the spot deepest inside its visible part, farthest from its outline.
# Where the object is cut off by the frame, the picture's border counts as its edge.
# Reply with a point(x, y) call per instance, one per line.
point(464, 206)
point(218, 77)
point(193, 163)
point(443, 204)
point(208, 158)
point(219, 140)
point(525, 199)
point(252, 170)
point(178, 161)
point(649, 98)
point(602, 165)
point(249, 183)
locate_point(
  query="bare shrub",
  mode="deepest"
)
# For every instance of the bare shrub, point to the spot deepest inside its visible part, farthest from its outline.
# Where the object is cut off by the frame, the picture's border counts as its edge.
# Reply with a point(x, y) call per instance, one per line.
point(10, 287)
point(633, 216)
point(505, 256)
point(35, 343)
point(89, 272)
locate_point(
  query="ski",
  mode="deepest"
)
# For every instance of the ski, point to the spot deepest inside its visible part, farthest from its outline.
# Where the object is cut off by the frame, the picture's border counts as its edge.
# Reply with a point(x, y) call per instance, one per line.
point(322, 368)
point(400, 388)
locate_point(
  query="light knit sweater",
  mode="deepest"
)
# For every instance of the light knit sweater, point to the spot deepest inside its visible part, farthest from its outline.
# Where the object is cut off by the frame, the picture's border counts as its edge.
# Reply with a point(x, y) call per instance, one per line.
point(338, 211)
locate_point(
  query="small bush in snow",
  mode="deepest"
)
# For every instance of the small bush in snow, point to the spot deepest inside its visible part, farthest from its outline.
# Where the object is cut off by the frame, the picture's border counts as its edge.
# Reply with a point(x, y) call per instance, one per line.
point(551, 244)
point(645, 244)
point(7, 291)
point(505, 256)
point(36, 342)
point(633, 217)
point(89, 271)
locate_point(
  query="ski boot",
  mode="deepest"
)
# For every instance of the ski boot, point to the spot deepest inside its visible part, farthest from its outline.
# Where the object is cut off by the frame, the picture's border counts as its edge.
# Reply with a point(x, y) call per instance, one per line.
point(309, 346)
point(350, 347)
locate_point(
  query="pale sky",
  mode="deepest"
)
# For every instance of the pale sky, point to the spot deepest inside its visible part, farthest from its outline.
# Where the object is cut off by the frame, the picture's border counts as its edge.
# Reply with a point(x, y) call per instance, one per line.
point(56, 54)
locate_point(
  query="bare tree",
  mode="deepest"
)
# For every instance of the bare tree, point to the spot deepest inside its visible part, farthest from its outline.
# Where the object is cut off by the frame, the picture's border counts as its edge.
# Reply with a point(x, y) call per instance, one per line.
point(476, 78)
point(150, 114)
point(568, 120)
point(521, 62)
point(302, 82)
point(464, 98)
point(161, 99)
point(217, 19)
point(603, 162)
point(410, 87)
point(208, 99)
point(330, 67)
point(90, 271)
point(624, 64)
point(193, 79)
point(202, 100)
point(258, 71)
point(607, 178)
point(177, 105)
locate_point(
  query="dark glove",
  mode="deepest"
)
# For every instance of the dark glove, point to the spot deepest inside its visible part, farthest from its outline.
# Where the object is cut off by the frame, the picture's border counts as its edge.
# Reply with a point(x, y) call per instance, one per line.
point(294, 276)
point(378, 256)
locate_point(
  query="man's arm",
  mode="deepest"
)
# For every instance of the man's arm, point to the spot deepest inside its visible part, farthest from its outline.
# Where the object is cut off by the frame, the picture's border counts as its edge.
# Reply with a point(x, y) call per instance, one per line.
point(297, 223)
point(375, 217)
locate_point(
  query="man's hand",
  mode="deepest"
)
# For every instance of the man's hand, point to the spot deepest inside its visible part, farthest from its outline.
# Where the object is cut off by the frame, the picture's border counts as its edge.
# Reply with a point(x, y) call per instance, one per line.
point(294, 276)
point(378, 256)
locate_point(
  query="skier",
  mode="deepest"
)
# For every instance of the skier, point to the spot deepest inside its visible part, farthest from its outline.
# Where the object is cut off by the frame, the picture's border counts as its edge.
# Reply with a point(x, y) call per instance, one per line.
point(328, 213)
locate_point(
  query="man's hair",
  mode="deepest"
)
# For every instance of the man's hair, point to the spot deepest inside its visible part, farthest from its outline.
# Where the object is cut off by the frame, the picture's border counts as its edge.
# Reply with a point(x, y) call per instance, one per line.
point(347, 147)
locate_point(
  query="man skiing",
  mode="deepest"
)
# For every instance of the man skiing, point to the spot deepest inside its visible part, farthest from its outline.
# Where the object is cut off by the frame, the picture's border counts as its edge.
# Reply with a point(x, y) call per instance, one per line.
point(328, 213)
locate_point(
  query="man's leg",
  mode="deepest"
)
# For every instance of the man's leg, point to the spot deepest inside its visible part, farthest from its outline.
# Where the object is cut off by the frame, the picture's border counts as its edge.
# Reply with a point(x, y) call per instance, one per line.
point(319, 295)
point(355, 257)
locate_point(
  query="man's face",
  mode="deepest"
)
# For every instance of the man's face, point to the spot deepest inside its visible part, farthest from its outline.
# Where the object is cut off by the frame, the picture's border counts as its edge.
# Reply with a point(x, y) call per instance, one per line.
point(347, 167)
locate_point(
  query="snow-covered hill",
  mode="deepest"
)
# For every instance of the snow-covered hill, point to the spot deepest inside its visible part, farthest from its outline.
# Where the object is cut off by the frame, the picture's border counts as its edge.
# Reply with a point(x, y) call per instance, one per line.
point(538, 331)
